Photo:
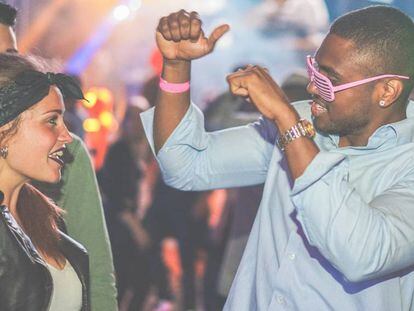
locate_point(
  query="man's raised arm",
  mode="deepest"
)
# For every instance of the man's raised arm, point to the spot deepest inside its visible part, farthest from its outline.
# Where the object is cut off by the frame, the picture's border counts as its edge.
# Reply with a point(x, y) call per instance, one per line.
point(180, 39)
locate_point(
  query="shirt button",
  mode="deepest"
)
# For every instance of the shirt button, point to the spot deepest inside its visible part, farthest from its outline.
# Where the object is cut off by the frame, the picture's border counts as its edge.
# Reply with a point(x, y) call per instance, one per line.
point(280, 299)
point(292, 256)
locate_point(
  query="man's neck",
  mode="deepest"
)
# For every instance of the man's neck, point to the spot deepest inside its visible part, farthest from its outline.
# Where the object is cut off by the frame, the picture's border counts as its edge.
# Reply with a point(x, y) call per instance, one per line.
point(360, 138)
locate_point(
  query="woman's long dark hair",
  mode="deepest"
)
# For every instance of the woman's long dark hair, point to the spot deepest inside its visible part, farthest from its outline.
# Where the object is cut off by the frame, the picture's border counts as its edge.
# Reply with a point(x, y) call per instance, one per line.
point(39, 216)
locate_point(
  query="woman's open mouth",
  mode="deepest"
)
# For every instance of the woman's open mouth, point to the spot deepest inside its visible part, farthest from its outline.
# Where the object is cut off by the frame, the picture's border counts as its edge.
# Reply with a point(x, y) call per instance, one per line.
point(58, 156)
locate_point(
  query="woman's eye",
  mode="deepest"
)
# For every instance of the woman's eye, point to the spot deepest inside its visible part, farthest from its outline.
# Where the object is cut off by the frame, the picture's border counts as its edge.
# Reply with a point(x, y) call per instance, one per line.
point(53, 121)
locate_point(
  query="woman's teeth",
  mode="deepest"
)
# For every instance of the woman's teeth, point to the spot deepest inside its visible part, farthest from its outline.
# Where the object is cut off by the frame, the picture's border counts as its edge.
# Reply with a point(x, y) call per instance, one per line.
point(58, 157)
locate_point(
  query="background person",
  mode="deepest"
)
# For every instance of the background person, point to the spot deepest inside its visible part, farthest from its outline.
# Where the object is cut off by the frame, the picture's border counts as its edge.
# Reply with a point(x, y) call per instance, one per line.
point(8, 41)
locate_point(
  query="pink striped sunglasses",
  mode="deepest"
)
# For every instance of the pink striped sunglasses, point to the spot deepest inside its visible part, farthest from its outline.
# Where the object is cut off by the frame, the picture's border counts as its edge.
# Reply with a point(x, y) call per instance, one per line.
point(324, 86)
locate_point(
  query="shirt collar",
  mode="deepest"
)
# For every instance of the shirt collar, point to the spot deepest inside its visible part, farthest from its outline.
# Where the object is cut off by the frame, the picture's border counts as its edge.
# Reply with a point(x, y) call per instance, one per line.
point(386, 136)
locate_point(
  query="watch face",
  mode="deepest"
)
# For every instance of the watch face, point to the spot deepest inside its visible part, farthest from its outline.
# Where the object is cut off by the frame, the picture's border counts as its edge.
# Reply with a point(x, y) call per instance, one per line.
point(308, 126)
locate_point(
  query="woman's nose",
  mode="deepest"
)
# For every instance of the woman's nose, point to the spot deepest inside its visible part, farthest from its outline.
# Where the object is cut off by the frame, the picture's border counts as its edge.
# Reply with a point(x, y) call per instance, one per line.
point(65, 136)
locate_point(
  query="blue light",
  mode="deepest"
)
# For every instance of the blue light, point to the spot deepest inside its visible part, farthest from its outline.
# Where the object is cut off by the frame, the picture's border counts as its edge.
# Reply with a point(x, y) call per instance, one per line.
point(83, 56)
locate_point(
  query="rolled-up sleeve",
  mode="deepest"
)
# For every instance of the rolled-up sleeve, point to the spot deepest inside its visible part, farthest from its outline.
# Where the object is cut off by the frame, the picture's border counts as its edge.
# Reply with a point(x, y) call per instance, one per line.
point(345, 228)
point(193, 159)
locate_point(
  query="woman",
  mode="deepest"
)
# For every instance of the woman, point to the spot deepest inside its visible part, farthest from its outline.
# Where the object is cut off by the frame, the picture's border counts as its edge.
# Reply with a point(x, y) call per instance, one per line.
point(40, 267)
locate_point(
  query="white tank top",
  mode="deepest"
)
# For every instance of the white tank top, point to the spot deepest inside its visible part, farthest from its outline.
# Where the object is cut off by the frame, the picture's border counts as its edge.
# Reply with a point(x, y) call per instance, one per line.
point(67, 289)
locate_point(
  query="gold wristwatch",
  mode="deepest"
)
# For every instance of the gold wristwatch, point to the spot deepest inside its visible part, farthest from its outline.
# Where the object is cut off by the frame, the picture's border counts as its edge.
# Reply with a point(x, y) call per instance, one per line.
point(302, 128)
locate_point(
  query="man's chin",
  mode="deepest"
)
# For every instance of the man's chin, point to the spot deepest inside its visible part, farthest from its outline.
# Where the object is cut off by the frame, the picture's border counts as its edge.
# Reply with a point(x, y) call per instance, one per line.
point(321, 126)
point(325, 128)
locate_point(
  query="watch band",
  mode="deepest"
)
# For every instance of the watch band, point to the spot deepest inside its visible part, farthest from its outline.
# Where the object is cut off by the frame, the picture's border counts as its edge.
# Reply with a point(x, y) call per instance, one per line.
point(301, 129)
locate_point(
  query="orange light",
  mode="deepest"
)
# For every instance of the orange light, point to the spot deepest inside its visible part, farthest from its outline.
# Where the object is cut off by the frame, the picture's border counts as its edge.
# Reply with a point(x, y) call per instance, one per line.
point(91, 97)
point(106, 119)
point(105, 95)
point(91, 125)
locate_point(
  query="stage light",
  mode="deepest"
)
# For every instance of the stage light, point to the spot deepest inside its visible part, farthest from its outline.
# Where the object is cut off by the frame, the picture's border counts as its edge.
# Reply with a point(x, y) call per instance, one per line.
point(121, 12)
point(105, 95)
point(80, 60)
point(106, 119)
point(91, 125)
point(91, 97)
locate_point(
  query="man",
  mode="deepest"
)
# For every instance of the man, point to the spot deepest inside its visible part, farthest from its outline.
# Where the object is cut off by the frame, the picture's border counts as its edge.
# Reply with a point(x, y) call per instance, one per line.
point(79, 197)
point(335, 227)
point(8, 41)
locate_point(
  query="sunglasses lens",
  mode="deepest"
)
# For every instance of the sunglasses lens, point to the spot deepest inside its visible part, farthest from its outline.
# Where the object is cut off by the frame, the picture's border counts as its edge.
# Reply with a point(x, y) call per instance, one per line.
point(324, 87)
point(322, 83)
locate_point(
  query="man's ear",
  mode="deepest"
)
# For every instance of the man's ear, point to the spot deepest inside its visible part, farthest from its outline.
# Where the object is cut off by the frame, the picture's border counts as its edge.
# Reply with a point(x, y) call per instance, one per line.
point(389, 92)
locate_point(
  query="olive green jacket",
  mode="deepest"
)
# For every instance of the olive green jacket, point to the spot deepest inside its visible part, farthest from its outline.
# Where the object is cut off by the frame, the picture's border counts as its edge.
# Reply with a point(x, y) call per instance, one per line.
point(85, 222)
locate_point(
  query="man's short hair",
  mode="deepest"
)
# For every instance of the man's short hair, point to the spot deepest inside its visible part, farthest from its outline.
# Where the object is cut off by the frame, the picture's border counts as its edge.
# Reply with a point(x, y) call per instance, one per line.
point(384, 37)
point(7, 14)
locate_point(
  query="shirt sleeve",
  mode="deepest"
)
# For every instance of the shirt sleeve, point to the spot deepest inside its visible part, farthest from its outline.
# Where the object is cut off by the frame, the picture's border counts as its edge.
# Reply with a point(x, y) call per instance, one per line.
point(86, 224)
point(193, 159)
point(363, 240)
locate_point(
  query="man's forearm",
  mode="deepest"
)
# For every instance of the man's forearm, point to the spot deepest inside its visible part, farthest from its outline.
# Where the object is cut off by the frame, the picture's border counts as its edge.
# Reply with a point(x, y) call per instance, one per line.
point(170, 108)
point(180, 39)
point(300, 152)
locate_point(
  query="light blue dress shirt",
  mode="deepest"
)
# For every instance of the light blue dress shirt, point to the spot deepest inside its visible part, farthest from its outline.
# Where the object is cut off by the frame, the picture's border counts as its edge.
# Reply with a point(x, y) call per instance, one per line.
point(340, 238)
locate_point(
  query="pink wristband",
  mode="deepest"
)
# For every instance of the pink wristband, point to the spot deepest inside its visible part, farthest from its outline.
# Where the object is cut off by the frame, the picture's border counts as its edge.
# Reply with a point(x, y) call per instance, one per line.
point(174, 87)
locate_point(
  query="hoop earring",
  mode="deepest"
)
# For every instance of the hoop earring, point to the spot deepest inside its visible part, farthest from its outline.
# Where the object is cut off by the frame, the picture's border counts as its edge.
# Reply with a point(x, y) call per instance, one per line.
point(4, 151)
point(382, 103)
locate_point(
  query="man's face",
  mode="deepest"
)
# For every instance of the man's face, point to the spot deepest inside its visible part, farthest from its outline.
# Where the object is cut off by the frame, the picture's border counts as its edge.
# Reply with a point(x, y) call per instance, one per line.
point(7, 39)
point(352, 110)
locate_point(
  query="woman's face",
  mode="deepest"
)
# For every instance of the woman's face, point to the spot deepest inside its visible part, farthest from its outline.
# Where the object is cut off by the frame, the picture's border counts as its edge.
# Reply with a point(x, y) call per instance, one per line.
point(35, 151)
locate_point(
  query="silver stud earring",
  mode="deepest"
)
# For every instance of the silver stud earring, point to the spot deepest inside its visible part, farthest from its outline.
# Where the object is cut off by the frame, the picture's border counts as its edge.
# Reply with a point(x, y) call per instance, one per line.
point(4, 151)
point(381, 103)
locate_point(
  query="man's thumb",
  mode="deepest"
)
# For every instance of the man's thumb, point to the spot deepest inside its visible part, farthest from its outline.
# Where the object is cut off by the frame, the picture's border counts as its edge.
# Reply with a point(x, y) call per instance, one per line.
point(217, 34)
